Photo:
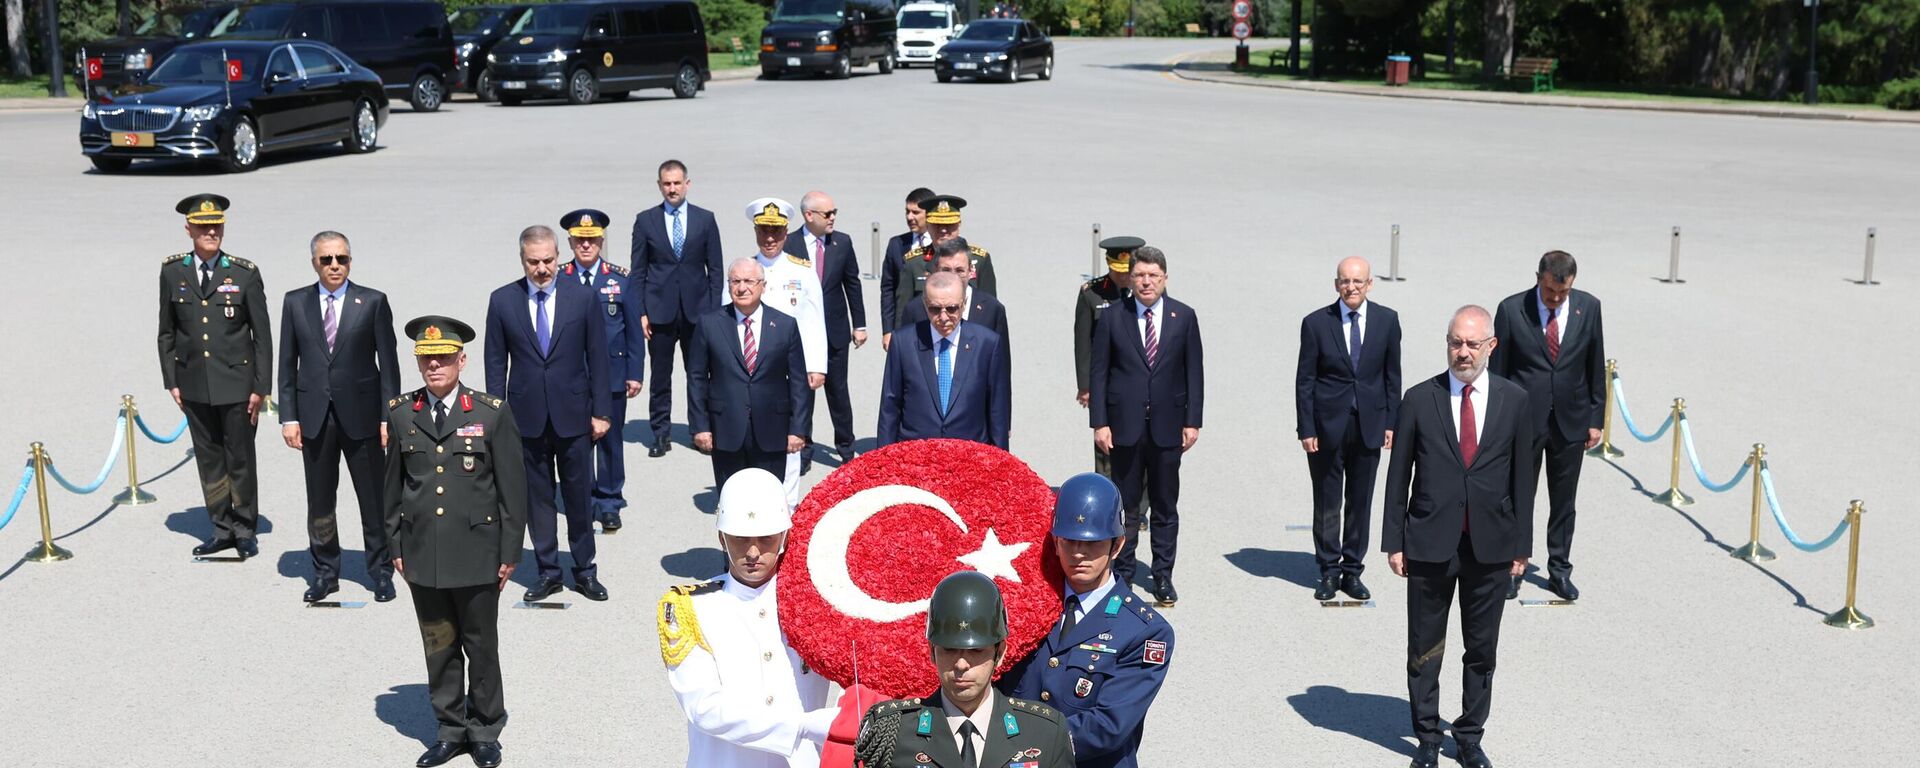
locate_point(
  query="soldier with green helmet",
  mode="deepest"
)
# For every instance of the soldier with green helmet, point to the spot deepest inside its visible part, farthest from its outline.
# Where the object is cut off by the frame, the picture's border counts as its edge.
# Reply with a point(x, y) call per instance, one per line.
point(966, 724)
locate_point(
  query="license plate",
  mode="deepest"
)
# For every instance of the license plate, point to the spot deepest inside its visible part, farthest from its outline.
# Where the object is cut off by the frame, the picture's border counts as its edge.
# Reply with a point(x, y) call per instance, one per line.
point(965, 65)
point(793, 61)
point(514, 85)
point(124, 139)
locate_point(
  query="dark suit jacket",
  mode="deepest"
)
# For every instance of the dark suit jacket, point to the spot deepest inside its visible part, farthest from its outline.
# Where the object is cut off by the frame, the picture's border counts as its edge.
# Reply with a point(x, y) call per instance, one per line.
point(670, 288)
point(986, 310)
point(1430, 495)
point(356, 379)
point(1124, 390)
point(981, 407)
point(840, 287)
point(890, 269)
point(569, 385)
point(233, 360)
point(626, 344)
point(766, 405)
point(1327, 391)
point(1567, 395)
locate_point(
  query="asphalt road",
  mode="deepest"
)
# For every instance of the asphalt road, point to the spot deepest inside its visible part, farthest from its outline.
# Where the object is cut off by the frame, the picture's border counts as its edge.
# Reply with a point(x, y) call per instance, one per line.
point(1677, 655)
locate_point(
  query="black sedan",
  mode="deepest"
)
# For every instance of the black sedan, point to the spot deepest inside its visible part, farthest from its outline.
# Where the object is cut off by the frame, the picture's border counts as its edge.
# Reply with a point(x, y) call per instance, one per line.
point(1003, 49)
point(231, 100)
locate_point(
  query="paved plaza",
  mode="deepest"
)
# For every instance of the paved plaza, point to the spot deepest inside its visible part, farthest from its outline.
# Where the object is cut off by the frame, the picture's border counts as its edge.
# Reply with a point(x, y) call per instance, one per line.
point(1676, 655)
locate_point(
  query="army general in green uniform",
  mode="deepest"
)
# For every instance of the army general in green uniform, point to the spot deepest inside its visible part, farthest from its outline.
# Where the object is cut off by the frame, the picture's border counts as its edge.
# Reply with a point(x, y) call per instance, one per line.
point(456, 497)
point(216, 359)
point(943, 224)
point(966, 724)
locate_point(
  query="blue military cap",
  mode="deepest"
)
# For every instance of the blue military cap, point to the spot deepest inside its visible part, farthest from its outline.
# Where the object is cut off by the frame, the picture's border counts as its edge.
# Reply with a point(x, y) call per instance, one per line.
point(585, 222)
point(1088, 509)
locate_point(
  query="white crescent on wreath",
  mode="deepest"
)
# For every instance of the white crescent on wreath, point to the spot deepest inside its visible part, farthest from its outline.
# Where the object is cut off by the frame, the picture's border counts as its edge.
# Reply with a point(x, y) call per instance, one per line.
point(827, 563)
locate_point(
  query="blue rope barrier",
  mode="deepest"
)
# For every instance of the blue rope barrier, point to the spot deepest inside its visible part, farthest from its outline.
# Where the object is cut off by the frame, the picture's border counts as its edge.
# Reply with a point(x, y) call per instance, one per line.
point(1773, 503)
point(19, 493)
point(1686, 437)
point(113, 455)
point(1626, 417)
point(177, 431)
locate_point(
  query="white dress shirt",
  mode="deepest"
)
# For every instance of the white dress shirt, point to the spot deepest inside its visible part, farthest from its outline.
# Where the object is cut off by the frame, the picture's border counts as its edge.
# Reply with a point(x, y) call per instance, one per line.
point(740, 329)
point(750, 702)
point(1140, 309)
point(933, 335)
point(1454, 386)
point(1540, 303)
point(1346, 323)
point(982, 719)
point(534, 307)
point(339, 315)
point(795, 290)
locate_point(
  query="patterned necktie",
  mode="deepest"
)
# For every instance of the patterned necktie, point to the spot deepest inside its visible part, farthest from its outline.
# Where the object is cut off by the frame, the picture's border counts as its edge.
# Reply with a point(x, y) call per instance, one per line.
point(1553, 334)
point(1469, 434)
point(679, 234)
point(820, 257)
point(541, 331)
point(331, 322)
point(1353, 338)
point(752, 350)
point(968, 757)
point(440, 417)
point(1153, 341)
point(946, 374)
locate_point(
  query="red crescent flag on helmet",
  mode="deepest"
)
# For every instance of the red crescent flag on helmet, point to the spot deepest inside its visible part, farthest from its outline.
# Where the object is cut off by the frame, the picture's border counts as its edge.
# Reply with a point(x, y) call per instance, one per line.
point(872, 539)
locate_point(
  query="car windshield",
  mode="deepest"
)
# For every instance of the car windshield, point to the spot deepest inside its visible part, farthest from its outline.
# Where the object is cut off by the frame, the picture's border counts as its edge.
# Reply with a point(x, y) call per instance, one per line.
point(828, 11)
point(985, 30)
point(179, 23)
point(552, 20)
point(203, 65)
point(256, 18)
point(923, 20)
point(468, 21)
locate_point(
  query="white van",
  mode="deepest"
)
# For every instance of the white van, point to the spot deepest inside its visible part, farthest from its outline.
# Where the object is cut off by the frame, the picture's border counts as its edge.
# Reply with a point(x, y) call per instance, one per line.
point(924, 27)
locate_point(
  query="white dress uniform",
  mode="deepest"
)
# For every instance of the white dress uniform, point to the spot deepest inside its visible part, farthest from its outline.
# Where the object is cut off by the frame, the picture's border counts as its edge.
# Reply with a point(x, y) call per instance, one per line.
point(793, 288)
point(749, 700)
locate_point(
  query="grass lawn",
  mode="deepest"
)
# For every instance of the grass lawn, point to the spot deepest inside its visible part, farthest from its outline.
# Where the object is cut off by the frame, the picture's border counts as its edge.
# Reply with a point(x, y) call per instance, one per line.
point(720, 61)
point(32, 87)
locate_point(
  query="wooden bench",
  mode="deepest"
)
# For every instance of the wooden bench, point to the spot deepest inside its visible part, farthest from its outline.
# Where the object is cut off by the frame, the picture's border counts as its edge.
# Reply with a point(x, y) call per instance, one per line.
point(1193, 30)
point(741, 55)
point(1537, 71)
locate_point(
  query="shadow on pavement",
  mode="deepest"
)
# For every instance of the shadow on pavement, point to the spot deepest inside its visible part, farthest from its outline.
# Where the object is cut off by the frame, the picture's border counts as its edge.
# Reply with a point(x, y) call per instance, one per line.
point(193, 522)
point(696, 563)
point(407, 709)
point(1297, 568)
point(1382, 720)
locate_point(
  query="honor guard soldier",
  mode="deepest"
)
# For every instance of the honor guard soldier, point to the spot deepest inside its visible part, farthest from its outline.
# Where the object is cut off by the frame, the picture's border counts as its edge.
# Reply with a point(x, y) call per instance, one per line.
point(1105, 659)
point(456, 497)
point(966, 724)
point(1095, 296)
point(626, 353)
point(749, 700)
point(943, 224)
point(792, 288)
point(216, 360)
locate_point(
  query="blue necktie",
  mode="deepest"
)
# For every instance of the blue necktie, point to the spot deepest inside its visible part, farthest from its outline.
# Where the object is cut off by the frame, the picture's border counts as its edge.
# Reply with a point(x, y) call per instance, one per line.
point(541, 331)
point(1353, 338)
point(946, 374)
point(679, 234)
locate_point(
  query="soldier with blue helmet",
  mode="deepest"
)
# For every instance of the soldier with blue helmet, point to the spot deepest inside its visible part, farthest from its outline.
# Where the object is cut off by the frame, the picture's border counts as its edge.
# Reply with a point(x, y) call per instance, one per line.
point(626, 352)
point(1105, 659)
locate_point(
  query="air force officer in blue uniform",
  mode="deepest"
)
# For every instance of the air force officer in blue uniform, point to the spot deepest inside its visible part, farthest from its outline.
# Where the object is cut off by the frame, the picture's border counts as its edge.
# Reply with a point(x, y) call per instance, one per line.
point(951, 379)
point(626, 352)
point(1106, 657)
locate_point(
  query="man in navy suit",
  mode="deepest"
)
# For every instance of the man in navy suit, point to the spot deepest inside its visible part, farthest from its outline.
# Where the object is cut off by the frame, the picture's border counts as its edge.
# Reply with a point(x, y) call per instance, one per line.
point(626, 353)
point(546, 351)
point(950, 380)
point(677, 274)
point(978, 306)
point(1346, 395)
point(831, 254)
point(747, 379)
point(895, 263)
point(1148, 386)
point(1459, 514)
point(338, 368)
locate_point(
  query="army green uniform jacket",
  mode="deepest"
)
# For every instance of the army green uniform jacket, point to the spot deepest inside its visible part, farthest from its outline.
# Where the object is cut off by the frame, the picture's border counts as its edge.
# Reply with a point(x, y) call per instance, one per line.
point(913, 733)
point(918, 263)
point(216, 341)
point(456, 496)
point(1095, 295)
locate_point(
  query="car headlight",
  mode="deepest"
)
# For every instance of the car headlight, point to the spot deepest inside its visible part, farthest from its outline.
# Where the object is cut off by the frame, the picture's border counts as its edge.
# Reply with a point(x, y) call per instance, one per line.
point(826, 38)
point(997, 57)
point(138, 60)
point(768, 40)
point(554, 56)
point(201, 113)
point(87, 111)
point(491, 59)
point(466, 49)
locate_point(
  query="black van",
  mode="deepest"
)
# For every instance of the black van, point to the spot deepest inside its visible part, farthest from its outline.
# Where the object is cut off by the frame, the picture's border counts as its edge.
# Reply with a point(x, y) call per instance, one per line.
point(408, 43)
point(114, 61)
point(828, 37)
point(584, 50)
point(476, 29)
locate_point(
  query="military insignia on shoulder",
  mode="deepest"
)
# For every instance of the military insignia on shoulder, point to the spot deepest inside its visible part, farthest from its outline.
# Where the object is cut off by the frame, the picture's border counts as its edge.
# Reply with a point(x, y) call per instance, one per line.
point(976, 250)
point(1155, 653)
point(615, 268)
point(678, 625)
point(176, 258)
point(490, 400)
point(920, 252)
point(805, 262)
point(239, 262)
point(394, 404)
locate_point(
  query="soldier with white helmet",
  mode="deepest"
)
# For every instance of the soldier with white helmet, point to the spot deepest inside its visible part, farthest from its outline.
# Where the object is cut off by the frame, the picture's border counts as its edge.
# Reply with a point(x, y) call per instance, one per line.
point(793, 288)
point(748, 698)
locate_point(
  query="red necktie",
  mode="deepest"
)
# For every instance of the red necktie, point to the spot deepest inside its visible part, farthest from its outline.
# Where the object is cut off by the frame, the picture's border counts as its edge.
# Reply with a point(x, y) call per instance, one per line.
point(1469, 435)
point(751, 350)
point(820, 257)
point(1553, 335)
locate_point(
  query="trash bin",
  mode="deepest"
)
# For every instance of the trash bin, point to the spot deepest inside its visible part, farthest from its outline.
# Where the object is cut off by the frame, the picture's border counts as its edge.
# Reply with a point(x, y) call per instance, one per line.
point(1398, 69)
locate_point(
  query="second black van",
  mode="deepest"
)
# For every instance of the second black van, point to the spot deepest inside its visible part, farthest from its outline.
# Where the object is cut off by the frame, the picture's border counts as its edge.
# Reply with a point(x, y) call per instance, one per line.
point(828, 37)
point(408, 43)
point(581, 51)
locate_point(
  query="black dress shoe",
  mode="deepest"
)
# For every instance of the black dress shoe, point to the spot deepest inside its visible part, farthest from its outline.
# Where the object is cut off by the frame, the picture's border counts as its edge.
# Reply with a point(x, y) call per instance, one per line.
point(1426, 756)
point(846, 454)
point(440, 753)
point(659, 449)
point(320, 590)
point(1563, 586)
point(1471, 756)
point(486, 754)
point(383, 590)
point(1513, 589)
point(1166, 593)
point(217, 545)
point(1328, 584)
point(591, 588)
point(542, 589)
point(1350, 584)
point(611, 522)
point(247, 548)
point(1143, 523)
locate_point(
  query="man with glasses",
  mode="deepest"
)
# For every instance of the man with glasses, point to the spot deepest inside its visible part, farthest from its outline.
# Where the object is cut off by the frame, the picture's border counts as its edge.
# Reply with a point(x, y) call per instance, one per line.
point(793, 288)
point(1459, 515)
point(951, 379)
point(338, 364)
point(977, 306)
point(943, 224)
point(830, 252)
point(746, 378)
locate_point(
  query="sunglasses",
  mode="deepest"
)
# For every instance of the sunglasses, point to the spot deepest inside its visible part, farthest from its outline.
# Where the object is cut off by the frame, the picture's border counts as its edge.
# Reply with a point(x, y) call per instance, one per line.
point(826, 214)
point(328, 261)
point(935, 309)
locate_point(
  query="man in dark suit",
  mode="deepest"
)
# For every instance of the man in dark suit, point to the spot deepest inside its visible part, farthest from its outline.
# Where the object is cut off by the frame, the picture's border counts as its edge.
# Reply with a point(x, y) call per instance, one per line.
point(1554, 346)
point(895, 262)
point(1459, 513)
point(677, 274)
point(213, 303)
point(626, 353)
point(1148, 387)
point(950, 380)
point(546, 354)
point(978, 306)
point(1346, 395)
point(337, 369)
point(747, 380)
point(831, 254)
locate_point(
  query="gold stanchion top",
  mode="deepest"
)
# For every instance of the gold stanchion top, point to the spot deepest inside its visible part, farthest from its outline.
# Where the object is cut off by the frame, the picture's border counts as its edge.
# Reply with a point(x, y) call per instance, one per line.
point(1679, 403)
point(1612, 365)
point(128, 399)
point(36, 447)
point(1759, 450)
point(1854, 508)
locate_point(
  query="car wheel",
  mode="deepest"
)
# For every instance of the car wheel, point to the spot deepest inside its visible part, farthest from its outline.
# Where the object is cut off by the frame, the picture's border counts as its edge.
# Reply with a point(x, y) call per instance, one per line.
point(886, 64)
point(365, 130)
point(1046, 72)
point(509, 101)
point(427, 93)
point(242, 152)
point(686, 83)
point(483, 87)
point(943, 77)
point(582, 87)
point(1013, 71)
point(842, 67)
point(110, 164)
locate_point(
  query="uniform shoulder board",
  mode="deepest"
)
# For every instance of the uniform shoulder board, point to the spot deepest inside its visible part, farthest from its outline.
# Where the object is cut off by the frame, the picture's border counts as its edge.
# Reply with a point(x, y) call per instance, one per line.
point(1035, 708)
point(678, 625)
point(239, 262)
point(916, 252)
point(616, 269)
point(177, 258)
point(482, 397)
point(977, 250)
point(879, 731)
point(1090, 284)
point(800, 260)
point(394, 404)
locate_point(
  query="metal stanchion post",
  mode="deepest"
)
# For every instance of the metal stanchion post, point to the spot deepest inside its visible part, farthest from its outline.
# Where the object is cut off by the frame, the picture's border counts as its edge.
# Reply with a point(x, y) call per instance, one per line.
point(132, 496)
point(1605, 449)
point(1851, 617)
point(46, 551)
point(1673, 260)
point(1866, 272)
point(1673, 497)
point(1393, 258)
point(1099, 256)
point(874, 256)
point(1753, 551)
